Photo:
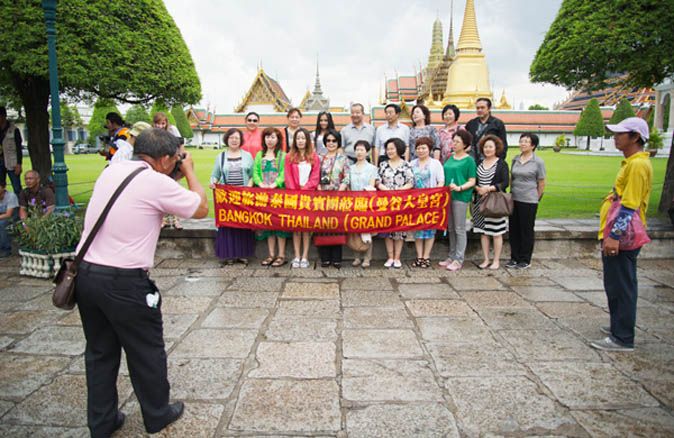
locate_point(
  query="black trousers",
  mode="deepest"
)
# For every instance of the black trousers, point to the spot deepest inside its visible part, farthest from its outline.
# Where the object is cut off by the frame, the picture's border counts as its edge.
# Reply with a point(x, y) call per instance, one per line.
point(330, 253)
point(521, 231)
point(620, 283)
point(115, 315)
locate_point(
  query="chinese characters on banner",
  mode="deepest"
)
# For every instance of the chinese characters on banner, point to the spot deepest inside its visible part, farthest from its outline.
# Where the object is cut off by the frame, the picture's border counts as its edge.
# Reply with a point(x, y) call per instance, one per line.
point(331, 211)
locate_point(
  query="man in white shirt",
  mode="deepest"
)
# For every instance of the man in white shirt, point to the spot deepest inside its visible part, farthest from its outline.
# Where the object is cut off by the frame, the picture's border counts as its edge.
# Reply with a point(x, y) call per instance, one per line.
point(355, 131)
point(8, 205)
point(392, 128)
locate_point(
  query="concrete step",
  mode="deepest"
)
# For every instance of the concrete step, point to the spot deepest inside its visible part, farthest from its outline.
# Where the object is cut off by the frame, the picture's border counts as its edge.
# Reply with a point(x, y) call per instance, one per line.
point(555, 238)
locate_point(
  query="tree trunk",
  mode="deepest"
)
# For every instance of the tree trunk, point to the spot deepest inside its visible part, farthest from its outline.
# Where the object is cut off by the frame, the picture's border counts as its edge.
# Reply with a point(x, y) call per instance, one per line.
point(668, 185)
point(34, 94)
point(587, 148)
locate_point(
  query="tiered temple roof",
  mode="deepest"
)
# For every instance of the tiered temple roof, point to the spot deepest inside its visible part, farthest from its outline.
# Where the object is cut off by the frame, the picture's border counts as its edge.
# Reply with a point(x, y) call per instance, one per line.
point(264, 91)
point(609, 96)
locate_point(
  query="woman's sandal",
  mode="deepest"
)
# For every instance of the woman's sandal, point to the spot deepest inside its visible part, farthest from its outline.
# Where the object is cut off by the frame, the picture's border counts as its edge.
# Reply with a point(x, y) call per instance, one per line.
point(418, 263)
point(425, 263)
point(278, 261)
point(268, 261)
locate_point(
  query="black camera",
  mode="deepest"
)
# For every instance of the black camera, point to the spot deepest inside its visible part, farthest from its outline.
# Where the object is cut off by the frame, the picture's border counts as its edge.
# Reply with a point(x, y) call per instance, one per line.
point(175, 173)
point(325, 180)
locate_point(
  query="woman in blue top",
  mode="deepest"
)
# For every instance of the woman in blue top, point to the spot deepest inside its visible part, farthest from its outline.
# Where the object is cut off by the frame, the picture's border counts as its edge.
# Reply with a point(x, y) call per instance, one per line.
point(233, 167)
point(361, 176)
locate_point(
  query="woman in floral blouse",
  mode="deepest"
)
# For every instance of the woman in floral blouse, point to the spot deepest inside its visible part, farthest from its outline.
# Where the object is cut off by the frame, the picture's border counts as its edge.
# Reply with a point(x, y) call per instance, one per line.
point(395, 174)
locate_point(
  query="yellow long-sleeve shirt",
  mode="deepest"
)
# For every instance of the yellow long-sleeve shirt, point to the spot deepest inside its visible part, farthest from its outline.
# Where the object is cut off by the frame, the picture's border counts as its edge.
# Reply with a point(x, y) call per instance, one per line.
point(633, 185)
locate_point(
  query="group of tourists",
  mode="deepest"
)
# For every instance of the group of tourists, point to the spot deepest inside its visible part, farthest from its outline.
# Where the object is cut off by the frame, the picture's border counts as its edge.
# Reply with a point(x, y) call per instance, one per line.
point(469, 159)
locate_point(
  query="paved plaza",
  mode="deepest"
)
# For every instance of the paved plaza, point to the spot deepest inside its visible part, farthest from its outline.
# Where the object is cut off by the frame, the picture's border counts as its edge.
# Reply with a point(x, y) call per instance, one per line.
point(360, 353)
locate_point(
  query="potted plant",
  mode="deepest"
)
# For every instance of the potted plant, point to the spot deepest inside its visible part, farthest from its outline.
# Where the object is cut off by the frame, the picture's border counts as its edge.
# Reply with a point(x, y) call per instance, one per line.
point(655, 142)
point(46, 239)
point(560, 142)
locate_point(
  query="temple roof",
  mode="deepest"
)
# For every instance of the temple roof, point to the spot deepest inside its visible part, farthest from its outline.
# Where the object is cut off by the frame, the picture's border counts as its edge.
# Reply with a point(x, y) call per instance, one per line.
point(264, 90)
point(609, 96)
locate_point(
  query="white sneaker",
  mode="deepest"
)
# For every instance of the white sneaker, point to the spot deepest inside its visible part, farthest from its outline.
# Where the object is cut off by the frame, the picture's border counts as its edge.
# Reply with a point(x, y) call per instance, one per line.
point(355, 263)
point(388, 263)
point(295, 263)
point(608, 344)
point(304, 263)
point(397, 264)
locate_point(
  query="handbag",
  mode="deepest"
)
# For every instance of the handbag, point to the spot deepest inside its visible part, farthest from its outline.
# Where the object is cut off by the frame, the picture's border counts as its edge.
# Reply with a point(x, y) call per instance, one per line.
point(635, 235)
point(497, 204)
point(328, 239)
point(63, 295)
point(356, 243)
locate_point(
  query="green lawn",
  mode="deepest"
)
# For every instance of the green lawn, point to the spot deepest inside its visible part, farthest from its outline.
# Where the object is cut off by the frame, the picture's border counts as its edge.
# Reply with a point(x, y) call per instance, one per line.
point(575, 185)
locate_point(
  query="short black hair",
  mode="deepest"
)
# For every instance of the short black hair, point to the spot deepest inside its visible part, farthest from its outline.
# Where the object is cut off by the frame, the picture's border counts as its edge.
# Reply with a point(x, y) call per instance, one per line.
point(484, 99)
point(399, 144)
point(364, 143)
point(3, 111)
point(114, 118)
point(252, 113)
point(531, 136)
point(156, 143)
point(454, 108)
point(395, 107)
point(229, 133)
point(335, 134)
point(362, 108)
point(294, 110)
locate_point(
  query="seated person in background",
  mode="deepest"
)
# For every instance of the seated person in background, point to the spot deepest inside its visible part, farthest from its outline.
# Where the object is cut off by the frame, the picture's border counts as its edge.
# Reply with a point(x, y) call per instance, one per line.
point(35, 195)
point(8, 205)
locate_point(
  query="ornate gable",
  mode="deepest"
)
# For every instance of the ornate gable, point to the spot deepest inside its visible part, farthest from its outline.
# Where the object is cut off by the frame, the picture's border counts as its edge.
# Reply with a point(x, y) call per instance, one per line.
point(264, 91)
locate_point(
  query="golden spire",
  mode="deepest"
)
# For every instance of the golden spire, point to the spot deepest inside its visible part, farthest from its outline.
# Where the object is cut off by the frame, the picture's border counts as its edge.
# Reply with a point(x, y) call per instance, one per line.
point(435, 56)
point(469, 41)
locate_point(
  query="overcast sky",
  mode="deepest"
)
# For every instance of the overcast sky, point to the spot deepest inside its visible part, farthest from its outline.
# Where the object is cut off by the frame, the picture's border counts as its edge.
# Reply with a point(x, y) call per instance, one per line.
point(358, 44)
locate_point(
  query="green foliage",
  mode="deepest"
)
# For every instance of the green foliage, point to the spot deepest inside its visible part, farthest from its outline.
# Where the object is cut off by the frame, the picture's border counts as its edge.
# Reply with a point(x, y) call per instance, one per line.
point(182, 123)
point(589, 41)
point(560, 141)
point(112, 48)
point(49, 234)
point(137, 113)
point(160, 106)
point(538, 107)
point(622, 111)
point(655, 140)
point(70, 116)
point(591, 122)
point(96, 125)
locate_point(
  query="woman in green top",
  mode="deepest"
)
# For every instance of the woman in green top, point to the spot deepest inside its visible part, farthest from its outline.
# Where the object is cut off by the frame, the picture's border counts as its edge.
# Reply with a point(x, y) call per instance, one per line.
point(460, 174)
point(268, 174)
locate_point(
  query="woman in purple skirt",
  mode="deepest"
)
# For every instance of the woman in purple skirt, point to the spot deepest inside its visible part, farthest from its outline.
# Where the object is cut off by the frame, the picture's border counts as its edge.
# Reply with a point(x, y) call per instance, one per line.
point(233, 167)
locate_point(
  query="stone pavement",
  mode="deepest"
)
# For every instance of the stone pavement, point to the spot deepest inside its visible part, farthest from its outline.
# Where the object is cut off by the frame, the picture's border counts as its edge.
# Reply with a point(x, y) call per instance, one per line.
point(360, 353)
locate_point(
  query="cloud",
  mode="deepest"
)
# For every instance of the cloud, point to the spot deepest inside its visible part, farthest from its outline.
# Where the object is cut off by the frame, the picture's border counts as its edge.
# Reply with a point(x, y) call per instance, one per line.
point(358, 43)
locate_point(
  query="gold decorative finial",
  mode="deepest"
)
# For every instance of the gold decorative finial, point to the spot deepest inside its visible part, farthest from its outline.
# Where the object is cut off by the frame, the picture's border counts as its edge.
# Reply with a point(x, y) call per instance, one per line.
point(469, 41)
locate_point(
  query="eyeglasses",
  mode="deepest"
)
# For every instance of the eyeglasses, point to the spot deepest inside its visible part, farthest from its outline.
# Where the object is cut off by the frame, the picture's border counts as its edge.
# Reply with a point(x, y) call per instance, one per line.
point(252, 120)
point(331, 140)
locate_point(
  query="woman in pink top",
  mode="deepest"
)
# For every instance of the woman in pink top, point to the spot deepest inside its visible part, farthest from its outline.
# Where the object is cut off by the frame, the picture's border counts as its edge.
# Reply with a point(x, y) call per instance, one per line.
point(302, 172)
point(252, 136)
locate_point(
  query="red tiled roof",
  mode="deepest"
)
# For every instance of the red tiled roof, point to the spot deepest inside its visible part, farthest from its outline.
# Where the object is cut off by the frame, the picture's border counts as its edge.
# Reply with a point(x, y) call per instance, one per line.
point(407, 82)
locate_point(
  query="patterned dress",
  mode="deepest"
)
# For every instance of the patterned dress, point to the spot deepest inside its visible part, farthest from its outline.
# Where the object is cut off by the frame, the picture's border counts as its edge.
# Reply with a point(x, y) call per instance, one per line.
point(270, 171)
point(395, 179)
point(333, 171)
point(426, 131)
point(486, 225)
point(422, 180)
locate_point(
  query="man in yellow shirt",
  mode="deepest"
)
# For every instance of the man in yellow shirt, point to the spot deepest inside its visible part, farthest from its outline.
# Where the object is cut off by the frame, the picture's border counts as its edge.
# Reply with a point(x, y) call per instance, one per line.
point(633, 186)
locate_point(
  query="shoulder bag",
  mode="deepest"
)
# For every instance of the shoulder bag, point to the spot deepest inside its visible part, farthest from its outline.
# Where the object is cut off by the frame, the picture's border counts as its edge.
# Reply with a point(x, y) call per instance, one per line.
point(63, 296)
point(497, 204)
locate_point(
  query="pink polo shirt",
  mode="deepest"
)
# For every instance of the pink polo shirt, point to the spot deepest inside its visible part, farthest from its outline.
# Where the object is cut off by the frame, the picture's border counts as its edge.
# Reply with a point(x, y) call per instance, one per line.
point(128, 237)
point(252, 142)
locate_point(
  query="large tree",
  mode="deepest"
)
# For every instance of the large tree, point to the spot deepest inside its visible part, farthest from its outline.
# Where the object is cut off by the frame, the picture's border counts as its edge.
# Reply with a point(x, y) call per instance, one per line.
point(590, 42)
point(137, 113)
point(182, 123)
point(590, 123)
point(96, 125)
point(130, 51)
point(622, 111)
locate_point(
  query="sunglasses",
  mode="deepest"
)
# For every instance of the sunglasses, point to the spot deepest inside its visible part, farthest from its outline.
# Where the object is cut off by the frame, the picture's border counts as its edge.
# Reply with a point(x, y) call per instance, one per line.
point(252, 120)
point(331, 140)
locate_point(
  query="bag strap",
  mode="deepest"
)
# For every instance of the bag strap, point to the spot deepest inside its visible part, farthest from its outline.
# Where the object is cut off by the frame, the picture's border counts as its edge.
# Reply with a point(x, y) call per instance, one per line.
point(104, 214)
